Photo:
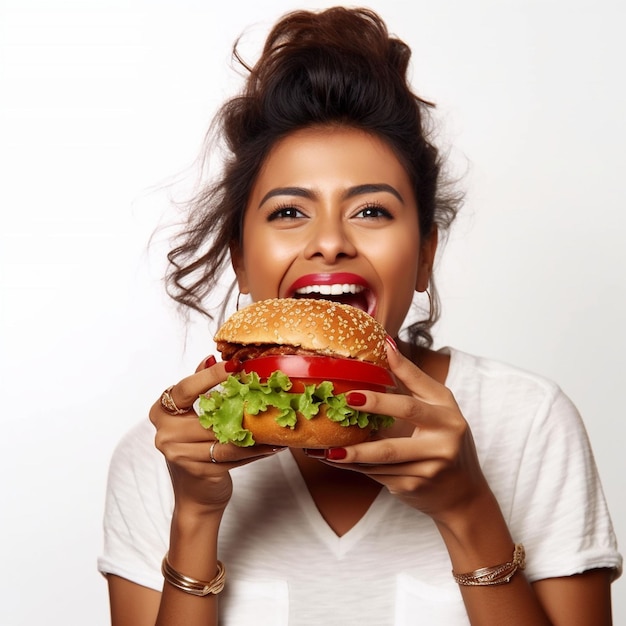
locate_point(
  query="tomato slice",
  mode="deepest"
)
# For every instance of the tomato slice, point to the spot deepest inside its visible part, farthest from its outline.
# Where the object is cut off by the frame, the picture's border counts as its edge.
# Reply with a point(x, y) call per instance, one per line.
point(345, 374)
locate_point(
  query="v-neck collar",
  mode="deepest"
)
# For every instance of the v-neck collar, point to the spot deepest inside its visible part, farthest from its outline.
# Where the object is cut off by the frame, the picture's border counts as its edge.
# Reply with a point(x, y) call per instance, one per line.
point(339, 546)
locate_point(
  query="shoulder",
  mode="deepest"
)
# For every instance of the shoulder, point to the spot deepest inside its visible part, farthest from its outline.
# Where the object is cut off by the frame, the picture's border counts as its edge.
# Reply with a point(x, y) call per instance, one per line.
point(492, 383)
point(138, 507)
point(137, 471)
point(136, 448)
point(514, 410)
point(467, 367)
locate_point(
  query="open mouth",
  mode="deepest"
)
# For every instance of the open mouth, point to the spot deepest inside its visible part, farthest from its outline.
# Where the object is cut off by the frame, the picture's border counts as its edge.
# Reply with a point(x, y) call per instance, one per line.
point(344, 288)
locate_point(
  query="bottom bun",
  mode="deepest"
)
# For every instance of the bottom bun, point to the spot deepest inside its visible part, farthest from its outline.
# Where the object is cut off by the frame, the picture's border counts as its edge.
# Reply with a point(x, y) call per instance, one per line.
point(318, 432)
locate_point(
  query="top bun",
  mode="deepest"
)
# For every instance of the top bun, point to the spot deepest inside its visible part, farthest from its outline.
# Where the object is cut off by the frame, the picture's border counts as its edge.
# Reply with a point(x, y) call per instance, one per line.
point(329, 328)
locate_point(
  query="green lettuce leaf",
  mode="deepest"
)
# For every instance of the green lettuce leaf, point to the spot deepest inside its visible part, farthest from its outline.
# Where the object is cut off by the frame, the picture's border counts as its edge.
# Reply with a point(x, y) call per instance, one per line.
point(222, 410)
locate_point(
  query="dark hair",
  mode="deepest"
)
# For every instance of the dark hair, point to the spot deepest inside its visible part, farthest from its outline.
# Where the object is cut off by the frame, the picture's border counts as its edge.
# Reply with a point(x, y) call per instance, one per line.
point(334, 67)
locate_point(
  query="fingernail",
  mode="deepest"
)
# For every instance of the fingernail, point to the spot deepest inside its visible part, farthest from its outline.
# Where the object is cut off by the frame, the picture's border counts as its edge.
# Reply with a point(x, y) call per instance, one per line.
point(315, 453)
point(390, 340)
point(336, 454)
point(356, 398)
point(210, 362)
point(231, 366)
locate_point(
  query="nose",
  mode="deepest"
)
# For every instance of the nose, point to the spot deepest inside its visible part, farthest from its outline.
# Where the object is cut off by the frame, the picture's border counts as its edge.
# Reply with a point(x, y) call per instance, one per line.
point(329, 241)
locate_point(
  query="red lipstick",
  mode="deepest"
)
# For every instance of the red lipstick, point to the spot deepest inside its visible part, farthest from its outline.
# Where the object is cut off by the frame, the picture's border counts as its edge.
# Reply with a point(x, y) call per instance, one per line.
point(338, 278)
point(344, 287)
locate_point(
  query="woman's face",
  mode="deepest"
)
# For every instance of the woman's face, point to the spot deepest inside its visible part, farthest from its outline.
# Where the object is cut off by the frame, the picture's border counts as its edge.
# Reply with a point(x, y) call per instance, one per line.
point(332, 214)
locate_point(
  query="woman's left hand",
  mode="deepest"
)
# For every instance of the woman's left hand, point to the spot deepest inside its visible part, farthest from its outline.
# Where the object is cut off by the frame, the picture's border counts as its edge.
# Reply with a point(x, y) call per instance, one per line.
point(432, 465)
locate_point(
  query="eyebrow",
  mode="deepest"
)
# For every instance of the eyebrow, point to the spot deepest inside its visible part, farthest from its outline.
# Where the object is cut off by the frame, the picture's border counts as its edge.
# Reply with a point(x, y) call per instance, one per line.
point(373, 188)
point(352, 192)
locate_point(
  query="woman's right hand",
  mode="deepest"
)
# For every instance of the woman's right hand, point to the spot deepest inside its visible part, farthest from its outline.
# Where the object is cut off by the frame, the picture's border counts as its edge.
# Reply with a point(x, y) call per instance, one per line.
point(199, 483)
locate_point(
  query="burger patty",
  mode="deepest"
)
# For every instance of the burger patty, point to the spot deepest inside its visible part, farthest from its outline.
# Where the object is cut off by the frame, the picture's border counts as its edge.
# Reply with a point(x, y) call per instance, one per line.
point(240, 353)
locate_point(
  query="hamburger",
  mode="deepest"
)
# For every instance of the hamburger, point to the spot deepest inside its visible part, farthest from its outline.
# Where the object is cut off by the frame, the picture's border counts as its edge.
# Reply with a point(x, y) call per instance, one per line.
point(294, 361)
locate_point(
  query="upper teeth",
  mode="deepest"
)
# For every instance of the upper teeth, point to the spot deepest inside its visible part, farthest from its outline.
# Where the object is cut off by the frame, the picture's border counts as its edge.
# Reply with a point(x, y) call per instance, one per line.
point(330, 290)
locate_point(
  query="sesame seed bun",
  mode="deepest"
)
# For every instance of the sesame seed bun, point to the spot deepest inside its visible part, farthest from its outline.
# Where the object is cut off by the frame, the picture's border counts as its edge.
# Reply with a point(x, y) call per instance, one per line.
point(326, 327)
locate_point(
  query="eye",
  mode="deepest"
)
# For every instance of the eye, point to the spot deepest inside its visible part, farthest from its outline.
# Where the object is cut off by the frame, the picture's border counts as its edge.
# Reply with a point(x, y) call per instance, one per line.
point(373, 211)
point(285, 212)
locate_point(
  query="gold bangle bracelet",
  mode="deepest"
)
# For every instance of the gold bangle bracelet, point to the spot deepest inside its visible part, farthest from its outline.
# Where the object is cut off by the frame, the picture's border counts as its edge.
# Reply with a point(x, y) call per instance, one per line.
point(191, 585)
point(496, 575)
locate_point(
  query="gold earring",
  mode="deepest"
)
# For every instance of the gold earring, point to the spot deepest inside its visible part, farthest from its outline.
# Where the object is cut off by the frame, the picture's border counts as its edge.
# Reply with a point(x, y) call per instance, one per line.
point(430, 303)
point(238, 303)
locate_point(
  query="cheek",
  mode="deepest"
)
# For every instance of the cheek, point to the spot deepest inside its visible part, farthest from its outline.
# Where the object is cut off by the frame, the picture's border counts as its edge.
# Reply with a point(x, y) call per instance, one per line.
point(397, 258)
point(397, 270)
point(265, 264)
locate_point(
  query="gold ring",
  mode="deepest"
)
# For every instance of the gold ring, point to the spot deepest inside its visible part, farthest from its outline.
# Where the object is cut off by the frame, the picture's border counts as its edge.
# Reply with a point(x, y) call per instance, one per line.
point(167, 402)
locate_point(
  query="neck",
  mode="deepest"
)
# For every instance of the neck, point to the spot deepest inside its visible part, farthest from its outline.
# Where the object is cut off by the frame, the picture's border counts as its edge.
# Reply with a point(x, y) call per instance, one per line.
point(433, 363)
point(341, 496)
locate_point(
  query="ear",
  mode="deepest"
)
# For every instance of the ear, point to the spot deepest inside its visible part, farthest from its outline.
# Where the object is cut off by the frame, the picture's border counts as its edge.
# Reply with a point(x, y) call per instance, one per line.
point(236, 259)
point(426, 260)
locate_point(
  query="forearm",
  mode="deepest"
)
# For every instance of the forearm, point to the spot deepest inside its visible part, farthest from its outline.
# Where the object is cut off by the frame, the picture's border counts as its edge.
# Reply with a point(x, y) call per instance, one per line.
point(192, 552)
point(480, 538)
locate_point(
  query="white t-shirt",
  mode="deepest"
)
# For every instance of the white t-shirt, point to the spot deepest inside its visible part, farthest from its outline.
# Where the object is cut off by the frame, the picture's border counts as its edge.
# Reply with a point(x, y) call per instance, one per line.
point(286, 566)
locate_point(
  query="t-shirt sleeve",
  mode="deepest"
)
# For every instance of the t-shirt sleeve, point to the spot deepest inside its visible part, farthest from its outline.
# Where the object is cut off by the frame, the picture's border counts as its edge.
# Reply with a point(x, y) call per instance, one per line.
point(558, 509)
point(137, 510)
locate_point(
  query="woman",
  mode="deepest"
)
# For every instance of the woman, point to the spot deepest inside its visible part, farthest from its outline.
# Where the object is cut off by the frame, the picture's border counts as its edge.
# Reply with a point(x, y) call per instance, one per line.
point(330, 171)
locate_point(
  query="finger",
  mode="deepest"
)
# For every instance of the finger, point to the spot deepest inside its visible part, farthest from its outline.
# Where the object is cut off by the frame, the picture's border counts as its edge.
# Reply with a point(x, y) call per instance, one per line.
point(228, 454)
point(384, 474)
point(414, 379)
point(208, 362)
point(415, 411)
point(396, 452)
point(178, 428)
point(190, 443)
point(185, 392)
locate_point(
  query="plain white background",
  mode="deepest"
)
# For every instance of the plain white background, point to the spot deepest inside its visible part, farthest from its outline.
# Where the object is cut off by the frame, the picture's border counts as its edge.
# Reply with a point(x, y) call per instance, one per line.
point(103, 109)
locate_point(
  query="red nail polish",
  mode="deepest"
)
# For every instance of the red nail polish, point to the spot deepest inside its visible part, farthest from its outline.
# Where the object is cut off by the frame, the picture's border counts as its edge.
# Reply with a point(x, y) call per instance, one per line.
point(210, 362)
point(356, 398)
point(336, 454)
point(394, 346)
